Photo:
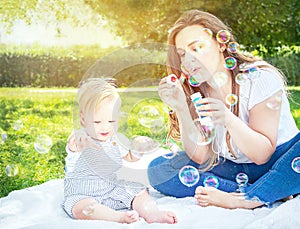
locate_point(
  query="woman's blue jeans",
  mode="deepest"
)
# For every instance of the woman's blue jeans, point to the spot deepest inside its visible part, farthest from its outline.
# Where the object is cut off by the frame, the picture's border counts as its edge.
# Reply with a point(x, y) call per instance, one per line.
point(268, 183)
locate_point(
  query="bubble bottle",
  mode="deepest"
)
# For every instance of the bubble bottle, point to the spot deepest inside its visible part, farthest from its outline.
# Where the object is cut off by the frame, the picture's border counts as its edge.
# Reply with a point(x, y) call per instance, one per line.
point(203, 123)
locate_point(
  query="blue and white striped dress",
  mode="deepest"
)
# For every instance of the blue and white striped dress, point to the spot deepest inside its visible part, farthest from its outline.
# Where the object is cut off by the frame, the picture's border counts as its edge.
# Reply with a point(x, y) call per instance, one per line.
point(94, 176)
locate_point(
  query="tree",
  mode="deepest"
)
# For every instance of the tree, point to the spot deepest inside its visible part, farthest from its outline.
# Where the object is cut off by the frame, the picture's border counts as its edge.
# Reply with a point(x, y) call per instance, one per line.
point(257, 24)
point(270, 23)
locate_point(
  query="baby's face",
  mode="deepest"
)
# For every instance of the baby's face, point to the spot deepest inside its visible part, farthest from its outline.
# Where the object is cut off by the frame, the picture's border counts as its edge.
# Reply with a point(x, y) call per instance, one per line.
point(104, 122)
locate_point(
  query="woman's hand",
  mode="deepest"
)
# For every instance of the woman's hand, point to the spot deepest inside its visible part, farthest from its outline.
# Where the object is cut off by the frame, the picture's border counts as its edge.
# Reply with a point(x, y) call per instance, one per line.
point(215, 109)
point(172, 94)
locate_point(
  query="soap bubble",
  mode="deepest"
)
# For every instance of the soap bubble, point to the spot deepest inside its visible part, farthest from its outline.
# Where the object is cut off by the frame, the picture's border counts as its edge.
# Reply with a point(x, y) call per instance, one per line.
point(223, 36)
point(241, 78)
point(18, 125)
point(170, 145)
point(189, 175)
point(296, 164)
point(193, 82)
point(141, 145)
point(230, 63)
point(201, 46)
point(43, 144)
point(209, 34)
point(231, 99)
point(242, 180)
point(253, 73)
point(233, 47)
point(220, 78)
point(274, 103)
point(3, 136)
point(211, 181)
point(206, 129)
point(89, 210)
point(11, 170)
point(150, 117)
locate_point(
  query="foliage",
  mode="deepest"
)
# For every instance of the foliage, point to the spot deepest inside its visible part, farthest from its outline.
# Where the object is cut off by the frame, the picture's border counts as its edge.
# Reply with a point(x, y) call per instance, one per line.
point(287, 59)
point(49, 111)
point(48, 12)
point(48, 67)
point(257, 25)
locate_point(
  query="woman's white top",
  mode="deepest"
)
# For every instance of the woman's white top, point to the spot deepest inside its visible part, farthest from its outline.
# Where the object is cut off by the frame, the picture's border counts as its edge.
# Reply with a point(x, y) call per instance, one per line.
point(252, 93)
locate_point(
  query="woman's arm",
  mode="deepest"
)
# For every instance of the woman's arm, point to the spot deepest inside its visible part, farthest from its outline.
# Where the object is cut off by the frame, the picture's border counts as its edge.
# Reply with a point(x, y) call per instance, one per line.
point(174, 96)
point(258, 140)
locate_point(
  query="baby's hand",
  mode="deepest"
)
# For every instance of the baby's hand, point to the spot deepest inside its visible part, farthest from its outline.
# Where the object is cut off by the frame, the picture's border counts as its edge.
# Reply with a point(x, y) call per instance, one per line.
point(130, 157)
point(78, 140)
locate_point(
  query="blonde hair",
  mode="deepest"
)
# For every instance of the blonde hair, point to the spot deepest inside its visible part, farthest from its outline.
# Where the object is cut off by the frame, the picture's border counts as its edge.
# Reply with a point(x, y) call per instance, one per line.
point(206, 20)
point(93, 91)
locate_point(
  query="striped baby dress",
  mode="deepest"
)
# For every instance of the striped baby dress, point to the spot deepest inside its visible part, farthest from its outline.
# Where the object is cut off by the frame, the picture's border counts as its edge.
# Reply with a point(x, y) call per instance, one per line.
point(94, 176)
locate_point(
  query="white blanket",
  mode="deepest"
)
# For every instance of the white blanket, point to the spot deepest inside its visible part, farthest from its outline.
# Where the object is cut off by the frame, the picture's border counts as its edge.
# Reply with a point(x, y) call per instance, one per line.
point(40, 207)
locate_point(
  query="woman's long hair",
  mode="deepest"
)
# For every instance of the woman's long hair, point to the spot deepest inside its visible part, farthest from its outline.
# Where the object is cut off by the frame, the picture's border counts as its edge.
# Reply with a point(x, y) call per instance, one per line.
point(206, 20)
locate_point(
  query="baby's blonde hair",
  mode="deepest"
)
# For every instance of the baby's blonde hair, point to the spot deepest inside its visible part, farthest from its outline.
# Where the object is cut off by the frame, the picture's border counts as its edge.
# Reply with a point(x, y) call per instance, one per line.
point(93, 91)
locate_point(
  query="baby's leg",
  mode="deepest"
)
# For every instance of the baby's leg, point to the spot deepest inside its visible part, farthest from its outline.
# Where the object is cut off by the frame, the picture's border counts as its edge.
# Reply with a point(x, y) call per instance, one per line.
point(147, 209)
point(90, 209)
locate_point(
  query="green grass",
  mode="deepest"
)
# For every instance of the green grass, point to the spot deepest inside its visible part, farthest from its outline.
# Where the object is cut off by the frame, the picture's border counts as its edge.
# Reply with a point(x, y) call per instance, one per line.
point(50, 112)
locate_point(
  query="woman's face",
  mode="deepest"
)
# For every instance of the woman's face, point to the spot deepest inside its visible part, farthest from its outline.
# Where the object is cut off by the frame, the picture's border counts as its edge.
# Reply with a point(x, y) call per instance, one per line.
point(200, 54)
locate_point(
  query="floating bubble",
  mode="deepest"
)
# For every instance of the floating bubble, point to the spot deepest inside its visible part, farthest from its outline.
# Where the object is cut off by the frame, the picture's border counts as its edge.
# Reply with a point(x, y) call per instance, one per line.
point(170, 145)
point(230, 63)
point(18, 125)
point(206, 129)
point(189, 175)
point(211, 181)
point(233, 47)
point(241, 78)
point(89, 210)
point(193, 82)
point(201, 46)
point(169, 155)
point(231, 99)
point(184, 69)
point(182, 78)
point(11, 170)
point(274, 103)
point(253, 73)
point(3, 136)
point(141, 145)
point(241, 178)
point(150, 117)
point(209, 34)
point(223, 36)
point(43, 144)
point(296, 164)
point(220, 78)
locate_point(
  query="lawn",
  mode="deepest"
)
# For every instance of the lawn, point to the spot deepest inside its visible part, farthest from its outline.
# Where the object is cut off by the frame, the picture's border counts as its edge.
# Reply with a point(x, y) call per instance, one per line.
point(32, 118)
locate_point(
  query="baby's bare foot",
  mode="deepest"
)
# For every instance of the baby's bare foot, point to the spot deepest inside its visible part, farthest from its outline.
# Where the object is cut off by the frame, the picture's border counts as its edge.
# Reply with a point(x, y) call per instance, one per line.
point(161, 217)
point(129, 217)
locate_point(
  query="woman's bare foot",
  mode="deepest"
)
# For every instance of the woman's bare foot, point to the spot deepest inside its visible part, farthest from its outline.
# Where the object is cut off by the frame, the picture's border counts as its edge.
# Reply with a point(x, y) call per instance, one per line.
point(129, 217)
point(288, 198)
point(209, 196)
point(157, 216)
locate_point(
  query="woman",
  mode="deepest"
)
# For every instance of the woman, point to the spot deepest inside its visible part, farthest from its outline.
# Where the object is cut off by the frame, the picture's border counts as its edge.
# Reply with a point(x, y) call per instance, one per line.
point(252, 144)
